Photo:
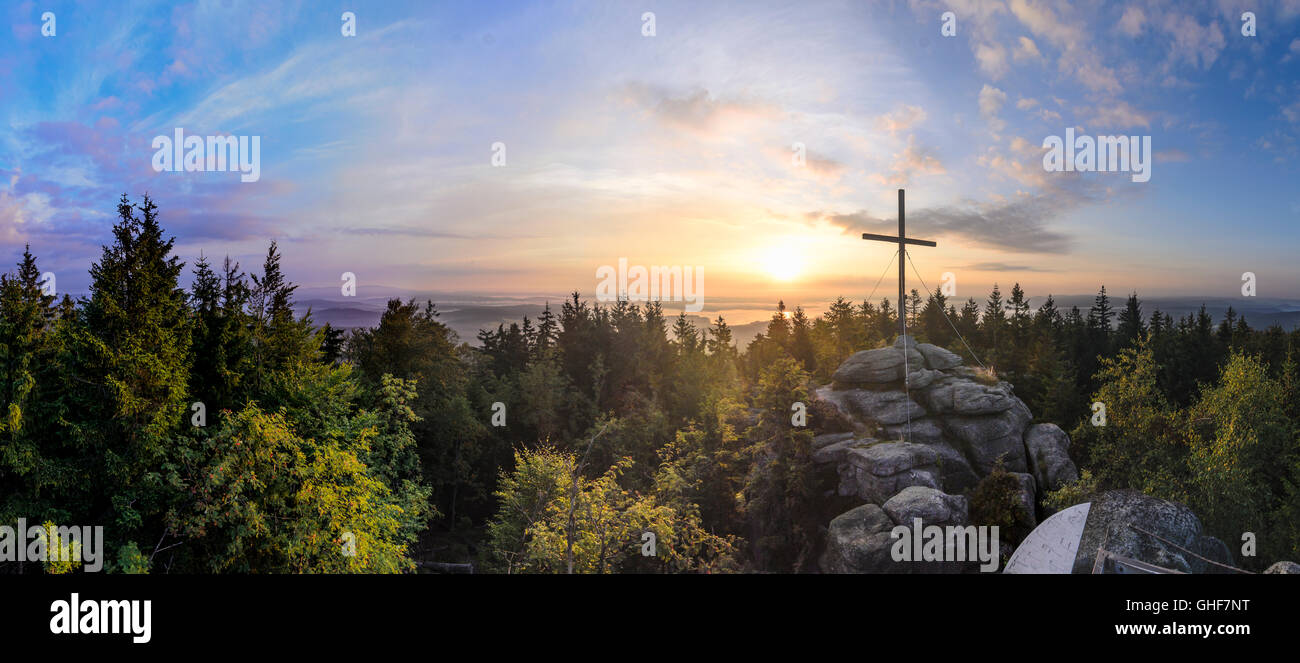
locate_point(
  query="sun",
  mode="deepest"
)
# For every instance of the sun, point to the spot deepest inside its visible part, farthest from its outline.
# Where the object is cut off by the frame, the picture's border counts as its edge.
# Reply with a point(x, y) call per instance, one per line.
point(782, 264)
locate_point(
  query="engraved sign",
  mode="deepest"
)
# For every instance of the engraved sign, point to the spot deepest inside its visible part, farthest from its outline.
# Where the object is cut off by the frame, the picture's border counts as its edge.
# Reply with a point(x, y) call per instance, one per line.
point(1051, 547)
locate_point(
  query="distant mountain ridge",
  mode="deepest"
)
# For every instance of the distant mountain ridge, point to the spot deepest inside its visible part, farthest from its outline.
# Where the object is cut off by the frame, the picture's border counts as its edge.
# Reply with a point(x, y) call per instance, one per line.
point(467, 313)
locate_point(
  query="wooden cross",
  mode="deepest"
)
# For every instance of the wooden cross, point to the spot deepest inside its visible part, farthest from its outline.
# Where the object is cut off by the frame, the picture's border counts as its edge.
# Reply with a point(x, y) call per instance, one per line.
point(902, 240)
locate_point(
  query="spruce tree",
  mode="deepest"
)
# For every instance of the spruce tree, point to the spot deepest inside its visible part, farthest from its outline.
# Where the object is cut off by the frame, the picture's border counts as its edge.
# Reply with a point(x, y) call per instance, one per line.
point(1131, 327)
point(993, 328)
point(280, 341)
point(132, 362)
point(30, 395)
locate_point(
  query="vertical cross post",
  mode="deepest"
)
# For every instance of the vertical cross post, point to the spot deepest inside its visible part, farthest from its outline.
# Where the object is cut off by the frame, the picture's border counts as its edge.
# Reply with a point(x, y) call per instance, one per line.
point(902, 259)
point(903, 240)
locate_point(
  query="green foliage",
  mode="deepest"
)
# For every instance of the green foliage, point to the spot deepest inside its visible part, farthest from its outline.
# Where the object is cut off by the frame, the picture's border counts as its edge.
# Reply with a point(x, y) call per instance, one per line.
point(31, 460)
point(266, 500)
point(1140, 446)
point(130, 560)
point(782, 493)
point(996, 502)
point(59, 558)
point(130, 352)
point(1075, 492)
point(410, 344)
point(1243, 453)
point(552, 519)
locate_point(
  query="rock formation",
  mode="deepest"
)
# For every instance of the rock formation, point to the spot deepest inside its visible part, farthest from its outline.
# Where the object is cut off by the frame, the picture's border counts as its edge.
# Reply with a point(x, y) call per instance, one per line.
point(1126, 520)
point(927, 429)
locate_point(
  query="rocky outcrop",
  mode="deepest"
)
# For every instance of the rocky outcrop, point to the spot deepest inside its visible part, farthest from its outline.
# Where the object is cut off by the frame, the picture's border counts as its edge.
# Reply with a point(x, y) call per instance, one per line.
point(927, 429)
point(993, 439)
point(954, 426)
point(1286, 568)
point(877, 471)
point(885, 407)
point(1047, 448)
point(1125, 522)
point(860, 540)
point(928, 504)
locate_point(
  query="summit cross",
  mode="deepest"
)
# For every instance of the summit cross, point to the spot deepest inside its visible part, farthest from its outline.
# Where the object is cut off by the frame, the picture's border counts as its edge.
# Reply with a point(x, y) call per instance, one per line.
point(903, 240)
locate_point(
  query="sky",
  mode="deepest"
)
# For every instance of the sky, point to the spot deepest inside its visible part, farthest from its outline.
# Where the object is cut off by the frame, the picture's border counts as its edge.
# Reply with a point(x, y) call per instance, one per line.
point(667, 146)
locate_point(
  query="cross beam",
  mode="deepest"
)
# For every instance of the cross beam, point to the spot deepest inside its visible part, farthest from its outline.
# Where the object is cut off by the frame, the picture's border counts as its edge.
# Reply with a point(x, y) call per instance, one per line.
point(903, 240)
point(891, 238)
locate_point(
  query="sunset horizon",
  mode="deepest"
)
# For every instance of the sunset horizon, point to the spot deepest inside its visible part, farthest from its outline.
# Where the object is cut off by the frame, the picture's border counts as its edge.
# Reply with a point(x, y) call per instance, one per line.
point(926, 295)
point(759, 168)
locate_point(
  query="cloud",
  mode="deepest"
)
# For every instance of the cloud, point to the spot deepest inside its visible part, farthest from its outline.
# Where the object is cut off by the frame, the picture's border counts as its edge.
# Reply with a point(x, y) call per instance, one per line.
point(1119, 115)
point(1292, 112)
point(432, 234)
point(913, 160)
point(1193, 43)
point(992, 59)
point(1049, 115)
point(1017, 225)
point(1026, 104)
point(991, 100)
point(695, 110)
point(316, 75)
point(900, 119)
point(823, 166)
point(1077, 56)
point(1027, 50)
point(1004, 267)
point(1131, 22)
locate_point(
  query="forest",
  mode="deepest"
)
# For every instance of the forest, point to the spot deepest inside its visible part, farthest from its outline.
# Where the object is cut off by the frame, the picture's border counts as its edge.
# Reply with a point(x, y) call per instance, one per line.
point(213, 430)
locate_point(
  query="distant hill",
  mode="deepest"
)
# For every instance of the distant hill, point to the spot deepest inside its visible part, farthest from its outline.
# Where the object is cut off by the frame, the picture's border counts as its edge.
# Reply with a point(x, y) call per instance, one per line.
point(466, 314)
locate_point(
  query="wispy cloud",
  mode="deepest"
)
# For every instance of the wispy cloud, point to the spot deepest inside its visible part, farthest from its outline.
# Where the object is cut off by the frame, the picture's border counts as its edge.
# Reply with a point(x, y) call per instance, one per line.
point(1019, 225)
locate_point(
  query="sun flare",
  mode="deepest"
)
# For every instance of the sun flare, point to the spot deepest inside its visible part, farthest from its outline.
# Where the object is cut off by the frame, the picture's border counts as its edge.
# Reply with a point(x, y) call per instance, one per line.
point(782, 264)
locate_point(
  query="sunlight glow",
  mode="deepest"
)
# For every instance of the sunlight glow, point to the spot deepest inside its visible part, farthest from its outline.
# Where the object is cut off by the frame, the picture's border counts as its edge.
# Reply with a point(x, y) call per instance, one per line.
point(782, 264)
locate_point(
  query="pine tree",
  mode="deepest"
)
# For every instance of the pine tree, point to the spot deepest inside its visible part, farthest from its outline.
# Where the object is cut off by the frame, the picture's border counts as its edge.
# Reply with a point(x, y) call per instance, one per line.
point(993, 328)
point(913, 311)
point(31, 463)
point(686, 337)
point(1048, 319)
point(778, 327)
point(847, 331)
point(886, 321)
point(934, 324)
point(1131, 327)
point(331, 346)
point(280, 341)
point(1099, 327)
point(1158, 324)
point(206, 376)
point(720, 338)
point(546, 332)
point(1016, 360)
point(132, 351)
